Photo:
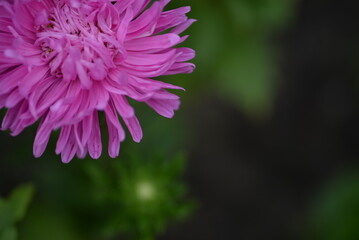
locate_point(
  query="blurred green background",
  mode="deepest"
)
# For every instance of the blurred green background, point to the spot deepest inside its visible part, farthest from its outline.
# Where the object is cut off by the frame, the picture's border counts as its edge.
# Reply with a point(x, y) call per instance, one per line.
point(265, 145)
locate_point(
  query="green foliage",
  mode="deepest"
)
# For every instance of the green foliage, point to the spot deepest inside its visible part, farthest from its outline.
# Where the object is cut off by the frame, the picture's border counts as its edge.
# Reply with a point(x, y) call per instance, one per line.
point(142, 194)
point(133, 197)
point(248, 78)
point(234, 51)
point(336, 212)
point(44, 222)
point(13, 210)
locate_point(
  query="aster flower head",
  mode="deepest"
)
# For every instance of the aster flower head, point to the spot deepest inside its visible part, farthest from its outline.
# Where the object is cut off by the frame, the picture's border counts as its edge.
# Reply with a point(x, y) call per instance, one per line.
point(64, 61)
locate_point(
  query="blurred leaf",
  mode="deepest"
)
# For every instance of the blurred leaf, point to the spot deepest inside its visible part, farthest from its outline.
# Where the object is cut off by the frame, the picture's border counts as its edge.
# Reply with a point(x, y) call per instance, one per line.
point(176, 167)
point(45, 223)
point(20, 199)
point(8, 234)
point(232, 39)
point(263, 15)
point(14, 209)
point(247, 78)
point(336, 212)
point(207, 36)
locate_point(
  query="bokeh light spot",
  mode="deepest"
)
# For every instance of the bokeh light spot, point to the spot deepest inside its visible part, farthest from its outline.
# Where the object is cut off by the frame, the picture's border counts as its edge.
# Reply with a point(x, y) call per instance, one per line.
point(145, 190)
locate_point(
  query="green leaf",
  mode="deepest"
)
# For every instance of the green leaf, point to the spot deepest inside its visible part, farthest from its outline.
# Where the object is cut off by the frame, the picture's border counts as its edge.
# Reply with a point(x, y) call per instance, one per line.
point(248, 78)
point(20, 199)
point(14, 208)
point(8, 234)
point(336, 212)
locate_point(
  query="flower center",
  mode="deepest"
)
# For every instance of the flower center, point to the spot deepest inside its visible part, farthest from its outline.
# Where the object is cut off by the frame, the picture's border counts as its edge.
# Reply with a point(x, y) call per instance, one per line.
point(76, 45)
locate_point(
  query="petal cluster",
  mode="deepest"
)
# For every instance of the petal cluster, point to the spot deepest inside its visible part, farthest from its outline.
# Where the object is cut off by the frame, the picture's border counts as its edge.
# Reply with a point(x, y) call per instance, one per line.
point(64, 61)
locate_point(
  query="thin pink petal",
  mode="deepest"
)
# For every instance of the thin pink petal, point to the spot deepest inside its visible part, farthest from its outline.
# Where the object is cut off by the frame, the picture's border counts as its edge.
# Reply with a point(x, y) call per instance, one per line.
point(63, 62)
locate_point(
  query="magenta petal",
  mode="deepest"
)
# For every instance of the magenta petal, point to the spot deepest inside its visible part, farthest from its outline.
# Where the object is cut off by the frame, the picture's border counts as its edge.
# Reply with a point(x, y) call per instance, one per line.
point(148, 59)
point(63, 62)
point(41, 139)
point(33, 77)
point(156, 42)
point(121, 31)
point(123, 5)
point(139, 5)
point(94, 142)
point(63, 139)
point(13, 99)
point(10, 117)
point(116, 133)
point(122, 106)
point(186, 54)
point(163, 107)
point(134, 127)
point(70, 150)
point(11, 79)
point(181, 28)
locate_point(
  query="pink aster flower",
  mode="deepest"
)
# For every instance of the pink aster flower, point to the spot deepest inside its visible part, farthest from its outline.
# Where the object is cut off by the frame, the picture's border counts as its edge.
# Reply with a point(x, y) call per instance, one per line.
point(64, 61)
